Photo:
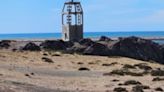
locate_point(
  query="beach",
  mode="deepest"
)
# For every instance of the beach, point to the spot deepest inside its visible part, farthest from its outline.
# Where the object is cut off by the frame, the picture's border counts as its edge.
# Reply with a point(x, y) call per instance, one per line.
point(22, 70)
point(26, 68)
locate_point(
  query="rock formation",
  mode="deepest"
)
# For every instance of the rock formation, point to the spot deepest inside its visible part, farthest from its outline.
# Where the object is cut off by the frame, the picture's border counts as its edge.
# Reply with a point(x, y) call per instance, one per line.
point(5, 44)
point(31, 47)
point(55, 45)
point(132, 47)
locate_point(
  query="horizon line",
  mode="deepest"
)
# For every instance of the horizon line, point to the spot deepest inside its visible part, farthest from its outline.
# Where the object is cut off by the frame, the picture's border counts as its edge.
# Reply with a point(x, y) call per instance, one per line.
point(84, 32)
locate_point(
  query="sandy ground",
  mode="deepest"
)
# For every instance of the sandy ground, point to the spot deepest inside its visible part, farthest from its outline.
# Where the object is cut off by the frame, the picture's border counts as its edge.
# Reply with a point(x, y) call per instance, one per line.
point(26, 72)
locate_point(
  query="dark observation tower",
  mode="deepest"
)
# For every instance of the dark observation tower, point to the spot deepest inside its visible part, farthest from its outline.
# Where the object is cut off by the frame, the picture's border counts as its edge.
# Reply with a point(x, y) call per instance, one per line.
point(72, 21)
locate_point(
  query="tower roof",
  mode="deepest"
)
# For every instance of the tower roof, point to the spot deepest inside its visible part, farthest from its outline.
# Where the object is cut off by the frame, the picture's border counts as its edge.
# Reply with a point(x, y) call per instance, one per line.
point(72, 2)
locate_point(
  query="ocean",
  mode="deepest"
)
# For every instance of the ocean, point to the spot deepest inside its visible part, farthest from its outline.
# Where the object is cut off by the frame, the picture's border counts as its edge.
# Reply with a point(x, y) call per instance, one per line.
point(156, 34)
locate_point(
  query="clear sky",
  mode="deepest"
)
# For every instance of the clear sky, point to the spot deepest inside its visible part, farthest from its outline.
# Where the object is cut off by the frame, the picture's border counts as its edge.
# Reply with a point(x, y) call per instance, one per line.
point(42, 16)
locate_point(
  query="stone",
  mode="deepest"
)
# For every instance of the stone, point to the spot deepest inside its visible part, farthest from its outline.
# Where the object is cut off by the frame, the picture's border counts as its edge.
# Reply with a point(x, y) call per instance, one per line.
point(137, 89)
point(5, 44)
point(84, 69)
point(45, 59)
point(77, 48)
point(158, 79)
point(143, 66)
point(27, 75)
point(81, 46)
point(112, 64)
point(127, 66)
point(45, 54)
point(86, 42)
point(32, 73)
point(97, 49)
point(55, 45)
point(132, 47)
point(159, 89)
point(157, 72)
point(143, 86)
point(123, 72)
point(137, 48)
point(120, 89)
point(80, 63)
point(132, 82)
point(104, 38)
point(31, 47)
point(115, 80)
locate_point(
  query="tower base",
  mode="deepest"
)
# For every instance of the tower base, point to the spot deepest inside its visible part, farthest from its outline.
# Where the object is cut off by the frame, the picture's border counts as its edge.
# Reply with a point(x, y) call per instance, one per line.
point(72, 32)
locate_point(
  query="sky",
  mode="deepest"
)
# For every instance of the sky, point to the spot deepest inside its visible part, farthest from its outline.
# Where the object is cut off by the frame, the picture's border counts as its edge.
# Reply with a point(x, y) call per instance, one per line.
point(44, 16)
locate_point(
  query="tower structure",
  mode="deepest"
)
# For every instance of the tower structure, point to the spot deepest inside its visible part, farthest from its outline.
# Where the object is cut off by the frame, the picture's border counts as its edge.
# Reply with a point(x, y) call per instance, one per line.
point(72, 21)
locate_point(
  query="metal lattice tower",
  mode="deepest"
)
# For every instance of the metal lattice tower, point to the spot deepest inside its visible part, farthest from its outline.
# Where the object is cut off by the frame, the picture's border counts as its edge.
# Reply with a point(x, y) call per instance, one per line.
point(72, 21)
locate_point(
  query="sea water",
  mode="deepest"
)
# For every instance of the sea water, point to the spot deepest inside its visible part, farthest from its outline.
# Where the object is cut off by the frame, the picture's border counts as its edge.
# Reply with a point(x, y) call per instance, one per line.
point(86, 35)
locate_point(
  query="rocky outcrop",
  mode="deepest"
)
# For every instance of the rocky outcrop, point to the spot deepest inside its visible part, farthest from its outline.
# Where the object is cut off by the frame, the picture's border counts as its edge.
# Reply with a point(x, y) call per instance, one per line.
point(132, 47)
point(104, 38)
point(31, 47)
point(86, 42)
point(97, 49)
point(138, 48)
point(81, 46)
point(55, 45)
point(5, 44)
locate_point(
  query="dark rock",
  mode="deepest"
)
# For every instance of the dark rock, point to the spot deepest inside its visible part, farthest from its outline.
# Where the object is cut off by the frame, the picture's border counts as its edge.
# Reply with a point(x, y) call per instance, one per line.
point(132, 47)
point(84, 69)
point(47, 60)
point(157, 72)
point(159, 89)
point(5, 44)
point(104, 38)
point(115, 72)
point(110, 64)
point(31, 47)
point(27, 75)
point(123, 72)
point(55, 45)
point(45, 54)
point(132, 82)
point(143, 66)
point(79, 47)
point(32, 74)
point(115, 80)
point(86, 42)
point(158, 79)
point(106, 65)
point(56, 54)
point(120, 84)
point(14, 49)
point(120, 89)
point(143, 87)
point(129, 66)
point(137, 89)
point(97, 49)
point(138, 48)
point(80, 63)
